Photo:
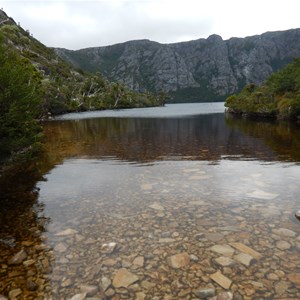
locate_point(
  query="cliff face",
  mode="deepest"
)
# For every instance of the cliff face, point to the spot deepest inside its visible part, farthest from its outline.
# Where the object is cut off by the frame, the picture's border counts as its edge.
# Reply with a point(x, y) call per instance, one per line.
point(204, 69)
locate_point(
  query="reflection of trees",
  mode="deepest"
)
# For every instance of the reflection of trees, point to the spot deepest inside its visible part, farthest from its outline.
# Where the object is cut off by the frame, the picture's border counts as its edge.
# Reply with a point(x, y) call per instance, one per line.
point(22, 225)
point(283, 138)
point(204, 137)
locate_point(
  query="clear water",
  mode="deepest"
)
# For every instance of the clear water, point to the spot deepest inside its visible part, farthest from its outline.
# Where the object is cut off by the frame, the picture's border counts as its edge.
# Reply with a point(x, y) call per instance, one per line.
point(160, 182)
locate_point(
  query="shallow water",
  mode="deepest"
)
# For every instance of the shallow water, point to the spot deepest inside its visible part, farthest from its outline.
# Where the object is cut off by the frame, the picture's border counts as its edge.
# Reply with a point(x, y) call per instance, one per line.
point(183, 202)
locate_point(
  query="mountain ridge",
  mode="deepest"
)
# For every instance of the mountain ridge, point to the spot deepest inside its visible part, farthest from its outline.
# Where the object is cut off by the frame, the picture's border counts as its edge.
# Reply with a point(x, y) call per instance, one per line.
point(210, 68)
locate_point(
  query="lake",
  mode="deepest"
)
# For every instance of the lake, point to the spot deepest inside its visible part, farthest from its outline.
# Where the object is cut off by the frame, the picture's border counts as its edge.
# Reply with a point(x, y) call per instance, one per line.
point(174, 202)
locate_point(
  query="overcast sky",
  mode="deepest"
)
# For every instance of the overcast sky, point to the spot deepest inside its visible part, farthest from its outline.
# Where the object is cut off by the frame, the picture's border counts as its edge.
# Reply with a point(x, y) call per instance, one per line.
point(76, 24)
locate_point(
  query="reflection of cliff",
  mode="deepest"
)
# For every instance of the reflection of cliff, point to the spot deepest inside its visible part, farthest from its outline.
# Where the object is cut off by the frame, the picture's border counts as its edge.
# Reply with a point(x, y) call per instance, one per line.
point(282, 137)
point(204, 137)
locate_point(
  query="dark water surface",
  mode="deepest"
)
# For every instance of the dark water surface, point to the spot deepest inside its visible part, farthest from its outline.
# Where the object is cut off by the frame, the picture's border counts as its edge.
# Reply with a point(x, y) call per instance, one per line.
point(178, 198)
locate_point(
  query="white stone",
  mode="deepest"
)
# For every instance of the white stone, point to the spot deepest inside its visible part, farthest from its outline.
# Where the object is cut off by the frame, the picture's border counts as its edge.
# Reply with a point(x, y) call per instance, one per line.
point(259, 194)
point(68, 231)
point(156, 206)
point(109, 247)
point(225, 261)
point(194, 257)
point(244, 258)
point(166, 240)
point(81, 296)
point(105, 283)
point(223, 249)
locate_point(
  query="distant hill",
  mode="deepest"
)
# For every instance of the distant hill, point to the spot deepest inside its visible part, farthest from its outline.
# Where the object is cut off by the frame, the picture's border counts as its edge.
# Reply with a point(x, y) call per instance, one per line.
point(199, 70)
point(64, 87)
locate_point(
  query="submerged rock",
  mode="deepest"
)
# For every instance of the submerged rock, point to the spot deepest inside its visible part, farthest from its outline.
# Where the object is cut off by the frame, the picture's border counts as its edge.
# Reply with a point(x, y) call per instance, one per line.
point(105, 283)
point(284, 232)
point(283, 245)
point(139, 261)
point(89, 290)
point(245, 249)
point(10, 242)
point(124, 278)
point(244, 258)
point(295, 278)
point(14, 293)
point(259, 194)
point(79, 297)
point(205, 292)
point(31, 285)
point(61, 247)
point(179, 260)
point(109, 248)
point(224, 296)
point(225, 250)
point(157, 206)
point(225, 261)
point(68, 231)
point(18, 258)
point(140, 296)
point(221, 280)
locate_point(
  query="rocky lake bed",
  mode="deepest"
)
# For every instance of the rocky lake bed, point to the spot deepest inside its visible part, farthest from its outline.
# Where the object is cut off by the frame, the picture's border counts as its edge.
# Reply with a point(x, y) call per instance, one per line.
point(172, 235)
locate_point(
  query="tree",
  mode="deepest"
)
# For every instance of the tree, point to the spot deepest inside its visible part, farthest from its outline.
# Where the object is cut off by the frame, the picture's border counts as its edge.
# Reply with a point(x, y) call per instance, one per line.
point(20, 105)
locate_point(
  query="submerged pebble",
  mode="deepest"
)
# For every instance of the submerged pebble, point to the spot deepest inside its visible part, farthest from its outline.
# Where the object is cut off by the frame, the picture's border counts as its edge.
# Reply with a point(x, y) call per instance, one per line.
point(183, 240)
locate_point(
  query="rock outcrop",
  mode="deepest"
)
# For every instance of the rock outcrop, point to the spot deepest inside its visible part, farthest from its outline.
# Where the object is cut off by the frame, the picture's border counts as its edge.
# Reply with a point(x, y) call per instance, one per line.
point(205, 69)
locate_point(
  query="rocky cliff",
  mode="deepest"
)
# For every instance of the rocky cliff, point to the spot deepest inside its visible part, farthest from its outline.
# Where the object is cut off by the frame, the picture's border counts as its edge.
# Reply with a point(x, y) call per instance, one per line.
point(203, 69)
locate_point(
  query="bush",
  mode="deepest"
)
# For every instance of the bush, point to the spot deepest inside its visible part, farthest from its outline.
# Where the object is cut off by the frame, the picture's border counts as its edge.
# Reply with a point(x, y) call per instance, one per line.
point(20, 106)
point(279, 95)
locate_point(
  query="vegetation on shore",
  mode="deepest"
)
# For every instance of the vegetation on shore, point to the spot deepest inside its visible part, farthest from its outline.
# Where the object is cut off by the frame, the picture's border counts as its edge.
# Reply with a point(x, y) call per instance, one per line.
point(20, 106)
point(278, 97)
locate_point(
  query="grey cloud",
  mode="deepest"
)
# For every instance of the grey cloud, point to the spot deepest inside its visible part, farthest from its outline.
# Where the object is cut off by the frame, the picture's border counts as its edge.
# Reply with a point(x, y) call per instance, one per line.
point(76, 24)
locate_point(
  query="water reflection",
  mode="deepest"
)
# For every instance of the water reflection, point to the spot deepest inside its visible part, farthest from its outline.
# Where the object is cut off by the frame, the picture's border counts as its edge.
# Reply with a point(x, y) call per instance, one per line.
point(206, 137)
point(25, 260)
point(282, 137)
